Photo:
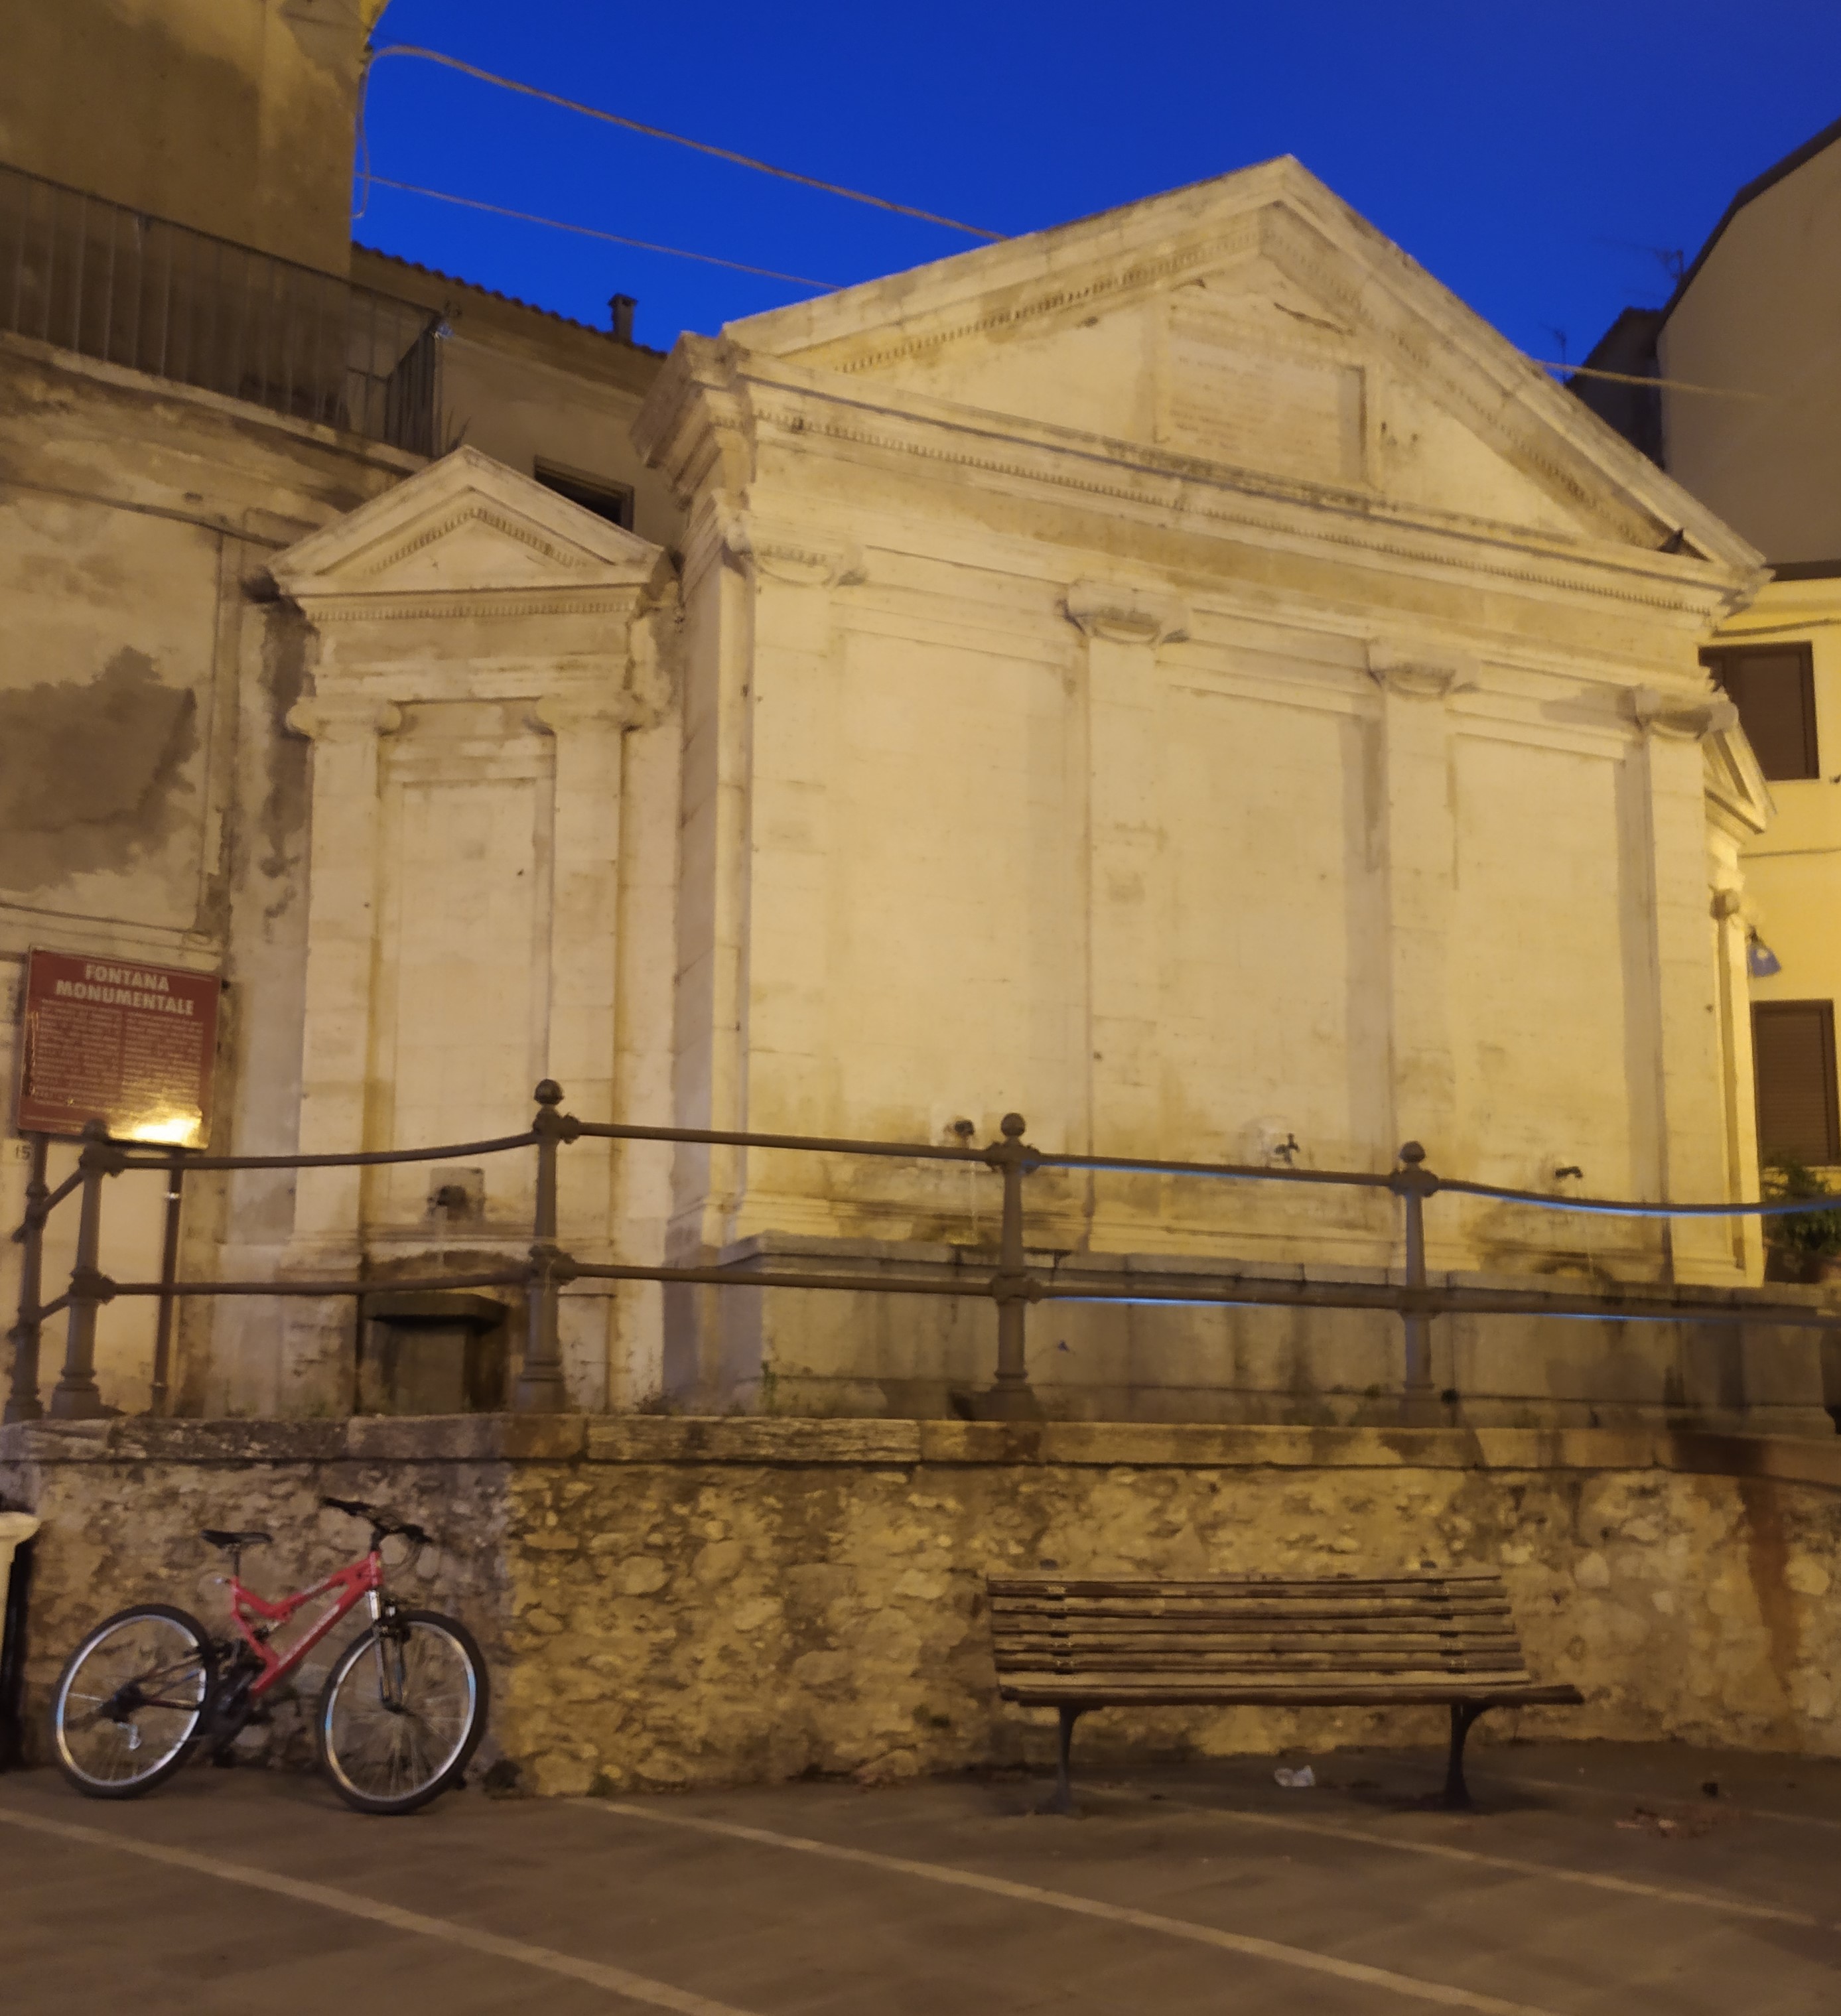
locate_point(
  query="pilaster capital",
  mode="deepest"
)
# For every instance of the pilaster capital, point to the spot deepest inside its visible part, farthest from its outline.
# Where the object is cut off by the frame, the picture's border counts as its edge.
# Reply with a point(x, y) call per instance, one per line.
point(1681, 720)
point(781, 549)
point(344, 718)
point(579, 713)
point(1421, 672)
point(1126, 614)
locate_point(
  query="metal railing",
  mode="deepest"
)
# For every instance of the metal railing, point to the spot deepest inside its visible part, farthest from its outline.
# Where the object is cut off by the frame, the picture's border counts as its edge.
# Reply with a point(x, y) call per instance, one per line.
point(1011, 1284)
point(90, 275)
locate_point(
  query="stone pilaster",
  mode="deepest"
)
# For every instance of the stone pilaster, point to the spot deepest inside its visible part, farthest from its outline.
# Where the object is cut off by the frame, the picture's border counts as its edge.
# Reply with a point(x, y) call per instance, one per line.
point(1418, 845)
point(797, 766)
point(1128, 924)
point(344, 729)
point(1694, 1127)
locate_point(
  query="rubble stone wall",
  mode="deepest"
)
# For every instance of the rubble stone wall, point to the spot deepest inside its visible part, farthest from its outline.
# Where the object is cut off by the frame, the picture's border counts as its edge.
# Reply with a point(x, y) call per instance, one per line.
point(670, 1602)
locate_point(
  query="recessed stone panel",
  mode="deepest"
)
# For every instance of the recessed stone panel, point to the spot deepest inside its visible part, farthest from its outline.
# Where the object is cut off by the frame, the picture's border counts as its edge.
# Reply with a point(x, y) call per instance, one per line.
point(1238, 401)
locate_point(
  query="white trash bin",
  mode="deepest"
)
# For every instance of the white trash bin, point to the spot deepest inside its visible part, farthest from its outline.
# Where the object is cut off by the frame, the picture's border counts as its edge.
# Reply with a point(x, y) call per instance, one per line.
point(16, 1529)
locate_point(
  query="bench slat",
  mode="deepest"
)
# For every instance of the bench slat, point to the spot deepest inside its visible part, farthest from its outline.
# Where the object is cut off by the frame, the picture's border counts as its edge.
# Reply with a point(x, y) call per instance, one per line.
point(1117, 1607)
point(1055, 1690)
point(1224, 1641)
point(1491, 1624)
point(1047, 1651)
point(1312, 1585)
point(1123, 1632)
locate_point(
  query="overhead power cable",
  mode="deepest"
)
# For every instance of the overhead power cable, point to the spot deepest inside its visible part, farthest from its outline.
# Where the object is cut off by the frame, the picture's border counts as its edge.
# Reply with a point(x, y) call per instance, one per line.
point(1632, 378)
point(589, 231)
point(676, 139)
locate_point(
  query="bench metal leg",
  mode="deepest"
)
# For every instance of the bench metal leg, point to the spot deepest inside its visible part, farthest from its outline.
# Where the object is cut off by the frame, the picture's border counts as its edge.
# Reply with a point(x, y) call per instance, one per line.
point(1463, 1715)
point(1063, 1800)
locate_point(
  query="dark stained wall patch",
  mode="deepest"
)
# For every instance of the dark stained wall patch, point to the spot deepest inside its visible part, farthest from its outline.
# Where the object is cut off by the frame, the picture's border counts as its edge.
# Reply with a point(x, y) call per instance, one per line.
point(91, 776)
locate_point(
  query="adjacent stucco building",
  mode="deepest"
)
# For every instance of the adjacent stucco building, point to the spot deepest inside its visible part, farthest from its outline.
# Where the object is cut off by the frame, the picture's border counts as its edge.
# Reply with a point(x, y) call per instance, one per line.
point(1744, 409)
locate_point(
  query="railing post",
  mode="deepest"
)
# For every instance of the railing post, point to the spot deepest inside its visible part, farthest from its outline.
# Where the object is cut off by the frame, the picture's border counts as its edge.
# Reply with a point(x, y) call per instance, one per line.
point(169, 1273)
point(540, 1387)
point(1412, 1183)
point(1010, 1398)
point(22, 1402)
point(75, 1397)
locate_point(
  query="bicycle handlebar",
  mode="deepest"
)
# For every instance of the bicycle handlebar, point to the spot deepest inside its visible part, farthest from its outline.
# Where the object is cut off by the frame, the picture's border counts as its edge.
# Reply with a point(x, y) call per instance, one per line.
point(383, 1527)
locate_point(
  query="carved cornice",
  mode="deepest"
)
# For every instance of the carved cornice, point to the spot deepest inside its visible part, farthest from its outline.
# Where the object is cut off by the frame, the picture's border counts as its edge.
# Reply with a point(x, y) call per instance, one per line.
point(695, 424)
point(1091, 289)
point(475, 512)
point(1126, 614)
point(1411, 672)
point(442, 604)
point(350, 561)
point(1137, 478)
point(1681, 720)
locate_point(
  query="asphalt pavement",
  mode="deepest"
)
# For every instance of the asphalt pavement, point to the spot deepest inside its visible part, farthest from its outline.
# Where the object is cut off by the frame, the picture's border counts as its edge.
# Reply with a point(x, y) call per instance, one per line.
point(1592, 1880)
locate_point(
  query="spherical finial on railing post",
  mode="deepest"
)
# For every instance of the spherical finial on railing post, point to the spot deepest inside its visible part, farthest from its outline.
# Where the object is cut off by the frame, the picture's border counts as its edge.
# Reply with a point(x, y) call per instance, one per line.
point(1413, 1187)
point(1010, 1398)
point(540, 1387)
point(76, 1397)
point(22, 1403)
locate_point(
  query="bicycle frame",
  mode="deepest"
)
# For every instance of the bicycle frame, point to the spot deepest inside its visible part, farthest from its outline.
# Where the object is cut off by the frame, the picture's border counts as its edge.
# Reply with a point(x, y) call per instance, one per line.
point(255, 1618)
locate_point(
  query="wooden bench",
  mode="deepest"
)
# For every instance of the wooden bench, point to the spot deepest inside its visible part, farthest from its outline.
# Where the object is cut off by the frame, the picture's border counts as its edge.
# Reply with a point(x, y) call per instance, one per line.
point(1345, 1641)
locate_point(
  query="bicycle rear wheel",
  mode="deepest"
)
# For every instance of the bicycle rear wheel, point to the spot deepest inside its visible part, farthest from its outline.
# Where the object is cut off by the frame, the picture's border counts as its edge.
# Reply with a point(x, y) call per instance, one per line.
point(131, 1701)
point(403, 1708)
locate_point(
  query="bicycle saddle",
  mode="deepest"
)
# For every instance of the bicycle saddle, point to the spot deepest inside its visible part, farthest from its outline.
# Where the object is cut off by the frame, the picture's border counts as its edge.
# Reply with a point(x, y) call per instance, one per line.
point(219, 1538)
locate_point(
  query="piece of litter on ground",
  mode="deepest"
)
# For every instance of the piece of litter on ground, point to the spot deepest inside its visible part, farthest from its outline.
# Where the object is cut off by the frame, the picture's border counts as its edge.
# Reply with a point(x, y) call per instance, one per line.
point(1643, 1820)
point(1297, 1781)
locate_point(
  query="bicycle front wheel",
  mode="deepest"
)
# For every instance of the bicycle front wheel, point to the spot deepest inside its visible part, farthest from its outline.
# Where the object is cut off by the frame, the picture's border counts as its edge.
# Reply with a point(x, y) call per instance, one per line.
point(405, 1707)
point(131, 1702)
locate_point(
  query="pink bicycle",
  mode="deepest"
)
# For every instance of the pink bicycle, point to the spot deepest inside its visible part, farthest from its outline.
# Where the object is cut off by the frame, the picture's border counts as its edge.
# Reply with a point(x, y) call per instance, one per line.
point(402, 1712)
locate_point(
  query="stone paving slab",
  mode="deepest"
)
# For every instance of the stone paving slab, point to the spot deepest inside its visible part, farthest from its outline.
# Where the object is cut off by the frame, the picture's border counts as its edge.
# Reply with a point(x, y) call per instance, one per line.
point(1594, 1881)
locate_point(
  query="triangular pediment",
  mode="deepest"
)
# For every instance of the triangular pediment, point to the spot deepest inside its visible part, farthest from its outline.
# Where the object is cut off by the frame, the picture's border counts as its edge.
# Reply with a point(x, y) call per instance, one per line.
point(466, 526)
point(1256, 324)
point(1738, 796)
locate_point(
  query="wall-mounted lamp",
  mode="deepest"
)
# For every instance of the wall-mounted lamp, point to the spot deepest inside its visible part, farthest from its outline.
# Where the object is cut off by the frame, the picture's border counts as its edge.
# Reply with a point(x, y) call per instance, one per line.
point(1761, 961)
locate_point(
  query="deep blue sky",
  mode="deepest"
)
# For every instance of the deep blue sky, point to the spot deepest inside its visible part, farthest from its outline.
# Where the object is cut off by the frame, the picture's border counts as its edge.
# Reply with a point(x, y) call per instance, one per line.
point(1526, 155)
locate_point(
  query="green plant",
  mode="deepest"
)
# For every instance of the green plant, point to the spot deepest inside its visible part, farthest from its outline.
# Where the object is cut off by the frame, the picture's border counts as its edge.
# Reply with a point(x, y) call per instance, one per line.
point(1815, 1232)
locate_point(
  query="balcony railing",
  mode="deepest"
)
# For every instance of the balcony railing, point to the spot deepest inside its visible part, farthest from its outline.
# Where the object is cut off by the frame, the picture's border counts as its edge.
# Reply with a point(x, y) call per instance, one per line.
point(110, 282)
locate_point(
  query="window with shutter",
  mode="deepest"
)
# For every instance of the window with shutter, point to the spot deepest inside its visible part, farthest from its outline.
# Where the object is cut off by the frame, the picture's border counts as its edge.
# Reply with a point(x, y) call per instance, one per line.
point(611, 501)
point(1793, 1044)
point(1773, 686)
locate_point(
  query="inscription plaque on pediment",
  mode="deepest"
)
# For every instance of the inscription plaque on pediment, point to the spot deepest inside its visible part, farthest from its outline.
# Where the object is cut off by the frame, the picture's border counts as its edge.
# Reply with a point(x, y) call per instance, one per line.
point(1233, 398)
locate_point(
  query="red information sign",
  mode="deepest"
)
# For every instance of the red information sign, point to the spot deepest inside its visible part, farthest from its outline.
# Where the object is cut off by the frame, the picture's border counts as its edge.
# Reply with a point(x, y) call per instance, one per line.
point(131, 1046)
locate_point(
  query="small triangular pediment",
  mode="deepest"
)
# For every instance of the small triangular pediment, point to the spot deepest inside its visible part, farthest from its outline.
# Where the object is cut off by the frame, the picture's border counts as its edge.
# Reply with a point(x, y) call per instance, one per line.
point(1737, 793)
point(465, 525)
point(1254, 323)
